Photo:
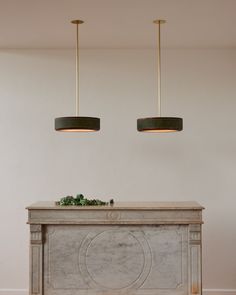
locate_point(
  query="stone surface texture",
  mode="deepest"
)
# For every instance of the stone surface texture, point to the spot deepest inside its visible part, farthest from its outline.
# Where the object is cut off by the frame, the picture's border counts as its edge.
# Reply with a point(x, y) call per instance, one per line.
point(129, 248)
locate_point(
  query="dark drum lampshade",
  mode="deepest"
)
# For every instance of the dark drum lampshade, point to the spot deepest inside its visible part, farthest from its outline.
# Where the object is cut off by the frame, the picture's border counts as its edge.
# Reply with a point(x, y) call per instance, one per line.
point(77, 123)
point(160, 124)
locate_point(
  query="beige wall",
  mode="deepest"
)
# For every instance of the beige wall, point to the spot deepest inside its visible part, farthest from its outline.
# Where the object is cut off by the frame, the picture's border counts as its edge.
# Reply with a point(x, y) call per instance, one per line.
point(119, 86)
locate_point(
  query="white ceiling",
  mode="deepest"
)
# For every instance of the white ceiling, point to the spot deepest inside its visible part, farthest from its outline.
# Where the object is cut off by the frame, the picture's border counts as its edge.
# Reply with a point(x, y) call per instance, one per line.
point(117, 23)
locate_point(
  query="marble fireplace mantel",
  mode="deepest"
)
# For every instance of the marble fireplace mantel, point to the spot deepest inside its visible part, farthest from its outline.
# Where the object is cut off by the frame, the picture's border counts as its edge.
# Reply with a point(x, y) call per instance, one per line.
point(151, 248)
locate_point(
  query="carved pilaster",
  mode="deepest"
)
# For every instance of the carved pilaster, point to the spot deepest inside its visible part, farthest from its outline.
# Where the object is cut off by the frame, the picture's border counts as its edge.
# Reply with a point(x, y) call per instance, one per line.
point(36, 259)
point(195, 280)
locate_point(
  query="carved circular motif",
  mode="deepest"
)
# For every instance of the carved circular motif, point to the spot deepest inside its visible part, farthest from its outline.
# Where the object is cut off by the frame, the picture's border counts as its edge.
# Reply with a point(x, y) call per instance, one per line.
point(113, 215)
point(115, 259)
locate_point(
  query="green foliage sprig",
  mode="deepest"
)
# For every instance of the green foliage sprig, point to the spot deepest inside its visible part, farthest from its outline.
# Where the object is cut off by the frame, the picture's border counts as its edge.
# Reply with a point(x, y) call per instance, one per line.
point(80, 200)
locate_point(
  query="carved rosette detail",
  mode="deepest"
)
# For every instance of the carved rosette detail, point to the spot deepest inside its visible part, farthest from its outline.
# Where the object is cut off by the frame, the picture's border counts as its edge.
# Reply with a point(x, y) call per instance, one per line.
point(113, 215)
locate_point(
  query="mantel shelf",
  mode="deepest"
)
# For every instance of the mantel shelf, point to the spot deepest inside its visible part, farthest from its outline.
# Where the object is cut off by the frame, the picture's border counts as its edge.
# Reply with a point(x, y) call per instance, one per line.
point(191, 205)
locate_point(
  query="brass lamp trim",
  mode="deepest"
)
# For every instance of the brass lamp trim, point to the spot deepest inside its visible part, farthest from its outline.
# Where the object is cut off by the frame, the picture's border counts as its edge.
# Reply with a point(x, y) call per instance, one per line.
point(77, 123)
point(159, 124)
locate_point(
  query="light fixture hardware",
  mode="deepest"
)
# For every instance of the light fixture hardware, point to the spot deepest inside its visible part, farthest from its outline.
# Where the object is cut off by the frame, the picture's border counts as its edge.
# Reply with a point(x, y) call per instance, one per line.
point(77, 123)
point(159, 123)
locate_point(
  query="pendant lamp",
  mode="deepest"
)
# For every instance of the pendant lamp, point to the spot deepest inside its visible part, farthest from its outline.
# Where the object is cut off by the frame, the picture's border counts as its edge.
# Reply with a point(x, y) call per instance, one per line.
point(159, 123)
point(77, 123)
